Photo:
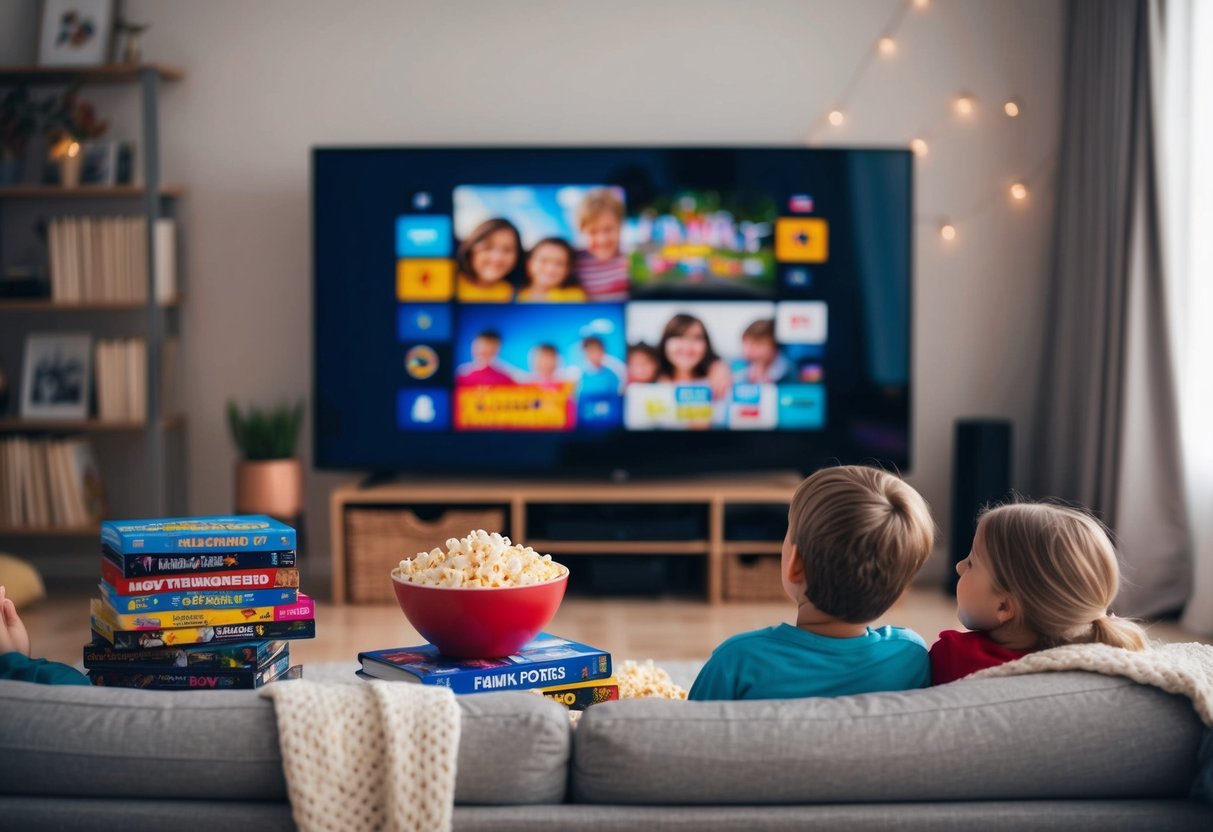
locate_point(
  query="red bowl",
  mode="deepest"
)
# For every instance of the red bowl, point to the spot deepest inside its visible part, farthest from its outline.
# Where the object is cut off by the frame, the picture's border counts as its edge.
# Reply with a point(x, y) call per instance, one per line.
point(479, 622)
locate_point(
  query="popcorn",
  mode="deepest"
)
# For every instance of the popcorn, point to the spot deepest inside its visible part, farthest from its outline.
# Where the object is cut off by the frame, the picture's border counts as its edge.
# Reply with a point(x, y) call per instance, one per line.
point(640, 680)
point(480, 560)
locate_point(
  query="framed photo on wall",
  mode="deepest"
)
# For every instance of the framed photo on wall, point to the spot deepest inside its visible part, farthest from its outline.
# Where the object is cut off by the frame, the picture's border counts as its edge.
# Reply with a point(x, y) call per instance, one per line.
point(57, 378)
point(75, 32)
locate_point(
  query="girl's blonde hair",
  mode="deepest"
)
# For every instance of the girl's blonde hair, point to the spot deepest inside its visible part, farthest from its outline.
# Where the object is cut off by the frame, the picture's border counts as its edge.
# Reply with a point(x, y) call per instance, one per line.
point(1059, 564)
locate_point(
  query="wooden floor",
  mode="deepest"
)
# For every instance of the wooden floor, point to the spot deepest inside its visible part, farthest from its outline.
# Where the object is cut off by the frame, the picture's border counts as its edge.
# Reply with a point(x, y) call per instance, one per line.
point(629, 629)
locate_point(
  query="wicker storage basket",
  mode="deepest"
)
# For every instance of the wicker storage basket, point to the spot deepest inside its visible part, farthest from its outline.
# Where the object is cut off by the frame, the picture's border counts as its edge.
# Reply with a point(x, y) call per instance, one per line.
point(752, 578)
point(377, 539)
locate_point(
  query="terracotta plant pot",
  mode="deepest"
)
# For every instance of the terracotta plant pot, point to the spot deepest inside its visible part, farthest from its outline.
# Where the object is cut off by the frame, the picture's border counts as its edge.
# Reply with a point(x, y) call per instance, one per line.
point(273, 487)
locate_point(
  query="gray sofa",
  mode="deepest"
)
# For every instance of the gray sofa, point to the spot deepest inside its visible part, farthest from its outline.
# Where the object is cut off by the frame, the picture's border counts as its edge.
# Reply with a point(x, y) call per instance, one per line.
point(1071, 751)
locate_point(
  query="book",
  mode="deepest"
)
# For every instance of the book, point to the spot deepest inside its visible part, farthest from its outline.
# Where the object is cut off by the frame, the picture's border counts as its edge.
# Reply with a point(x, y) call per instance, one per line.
point(240, 655)
point(141, 565)
point(124, 640)
point(580, 695)
point(198, 599)
point(304, 608)
point(111, 573)
point(196, 535)
point(544, 662)
point(191, 678)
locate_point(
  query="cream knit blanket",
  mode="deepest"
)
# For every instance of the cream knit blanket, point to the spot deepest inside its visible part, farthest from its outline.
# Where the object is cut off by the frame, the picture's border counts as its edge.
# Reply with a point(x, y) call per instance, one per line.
point(372, 756)
point(1185, 669)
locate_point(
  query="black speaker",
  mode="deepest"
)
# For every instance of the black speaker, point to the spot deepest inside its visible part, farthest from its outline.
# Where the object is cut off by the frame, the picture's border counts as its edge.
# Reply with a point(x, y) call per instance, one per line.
point(981, 474)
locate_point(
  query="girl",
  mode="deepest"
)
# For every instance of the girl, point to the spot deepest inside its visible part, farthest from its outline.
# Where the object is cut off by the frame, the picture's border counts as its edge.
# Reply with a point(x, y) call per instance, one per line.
point(487, 260)
point(686, 355)
point(549, 270)
point(1039, 575)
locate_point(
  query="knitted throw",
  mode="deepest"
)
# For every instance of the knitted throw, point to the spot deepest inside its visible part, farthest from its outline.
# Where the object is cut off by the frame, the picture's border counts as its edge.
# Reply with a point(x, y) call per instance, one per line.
point(373, 756)
point(1185, 669)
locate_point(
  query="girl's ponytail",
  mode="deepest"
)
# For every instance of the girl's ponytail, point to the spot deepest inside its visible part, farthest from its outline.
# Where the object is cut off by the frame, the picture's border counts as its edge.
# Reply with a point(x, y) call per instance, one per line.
point(1118, 632)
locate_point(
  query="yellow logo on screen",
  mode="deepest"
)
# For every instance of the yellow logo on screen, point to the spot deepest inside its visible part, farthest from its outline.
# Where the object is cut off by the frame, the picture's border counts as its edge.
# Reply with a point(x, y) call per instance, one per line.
point(802, 240)
point(424, 279)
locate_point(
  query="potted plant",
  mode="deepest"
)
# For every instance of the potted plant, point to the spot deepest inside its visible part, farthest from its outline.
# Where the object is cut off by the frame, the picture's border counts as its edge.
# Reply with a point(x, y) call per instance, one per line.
point(18, 117)
point(269, 478)
point(70, 121)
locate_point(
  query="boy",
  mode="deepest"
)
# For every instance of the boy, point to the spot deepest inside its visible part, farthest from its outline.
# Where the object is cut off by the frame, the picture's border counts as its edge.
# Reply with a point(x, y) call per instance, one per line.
point(485, 368)
point(856, 537)
point(602, 374)
point(761, 361)
point(15, 660)
point(601, 268)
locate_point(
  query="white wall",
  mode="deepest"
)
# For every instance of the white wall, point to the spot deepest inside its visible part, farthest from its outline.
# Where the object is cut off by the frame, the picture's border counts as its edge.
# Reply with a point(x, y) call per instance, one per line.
point(267, 80)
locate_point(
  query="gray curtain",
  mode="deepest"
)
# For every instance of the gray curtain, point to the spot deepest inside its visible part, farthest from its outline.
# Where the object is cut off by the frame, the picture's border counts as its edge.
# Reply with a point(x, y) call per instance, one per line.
point(1107, 425)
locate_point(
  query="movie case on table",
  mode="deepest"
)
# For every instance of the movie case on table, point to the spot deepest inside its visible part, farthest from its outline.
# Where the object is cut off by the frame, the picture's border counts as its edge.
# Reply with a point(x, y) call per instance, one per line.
point(580, 695)
point(150, 564)
point(187, 679)
point(546, 661)
point(302, 609)
point(195, 535)
point(197, 599)
point(268, 578)
point(241, 655)
point(123, 640)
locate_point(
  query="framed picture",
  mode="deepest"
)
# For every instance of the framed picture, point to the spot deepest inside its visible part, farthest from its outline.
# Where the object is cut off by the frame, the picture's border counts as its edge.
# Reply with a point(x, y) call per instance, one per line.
point(57, 377)
point(100, 163)
point(75, 32)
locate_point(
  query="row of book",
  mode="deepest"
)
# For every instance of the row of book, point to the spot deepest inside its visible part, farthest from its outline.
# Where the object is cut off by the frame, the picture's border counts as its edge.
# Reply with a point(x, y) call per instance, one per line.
point(205, 603)
point(121, 379)
point(106, 259)
point(49, 483)
point(573, 674)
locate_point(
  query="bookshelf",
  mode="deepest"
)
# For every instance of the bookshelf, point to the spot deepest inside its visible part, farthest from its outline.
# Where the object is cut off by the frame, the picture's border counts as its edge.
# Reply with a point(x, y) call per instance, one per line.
point(137, 453)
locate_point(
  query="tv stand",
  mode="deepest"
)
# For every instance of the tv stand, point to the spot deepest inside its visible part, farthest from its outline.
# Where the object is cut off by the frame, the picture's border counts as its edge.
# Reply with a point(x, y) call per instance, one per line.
point(692, 517)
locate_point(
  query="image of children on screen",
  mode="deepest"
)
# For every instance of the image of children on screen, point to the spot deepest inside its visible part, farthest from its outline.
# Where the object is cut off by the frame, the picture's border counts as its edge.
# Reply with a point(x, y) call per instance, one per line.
point(549, 274)
point(487, 260)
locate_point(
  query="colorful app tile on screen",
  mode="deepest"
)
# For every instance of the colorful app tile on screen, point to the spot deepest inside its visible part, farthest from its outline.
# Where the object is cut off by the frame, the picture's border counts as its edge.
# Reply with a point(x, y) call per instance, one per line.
point(421, 362)
point(423, 322)
point(754, 407)
point(424, 279)
point(423, 409)
point(801, 322)
point(424, 235)
point(802, 406)
point(801, 240)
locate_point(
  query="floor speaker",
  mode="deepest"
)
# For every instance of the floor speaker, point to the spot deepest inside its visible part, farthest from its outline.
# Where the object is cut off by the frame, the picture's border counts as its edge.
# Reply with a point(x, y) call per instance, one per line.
point(981, 474)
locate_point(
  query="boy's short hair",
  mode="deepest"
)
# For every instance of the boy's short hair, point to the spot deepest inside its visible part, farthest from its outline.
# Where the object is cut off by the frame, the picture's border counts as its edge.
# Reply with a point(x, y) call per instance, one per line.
point(599, 201)
point(548, 348)
point(862, 534)
point(489, 335)
point(592, 341)
point(763, 328)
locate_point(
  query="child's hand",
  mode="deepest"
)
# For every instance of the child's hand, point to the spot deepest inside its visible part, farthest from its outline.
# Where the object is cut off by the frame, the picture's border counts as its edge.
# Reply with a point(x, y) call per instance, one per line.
point(13, 636)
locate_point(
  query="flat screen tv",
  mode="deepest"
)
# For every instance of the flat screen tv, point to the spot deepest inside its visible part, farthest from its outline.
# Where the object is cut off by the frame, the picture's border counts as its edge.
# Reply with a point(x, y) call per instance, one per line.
point(579, 311)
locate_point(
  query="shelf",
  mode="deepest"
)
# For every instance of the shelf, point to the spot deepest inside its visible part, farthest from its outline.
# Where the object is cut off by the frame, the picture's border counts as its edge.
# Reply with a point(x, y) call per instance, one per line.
point(107, 74)
point(50, 531)
point(85, 192)
point(620, 547)
point(83, 426)
point(753, 547)
point(45, 305)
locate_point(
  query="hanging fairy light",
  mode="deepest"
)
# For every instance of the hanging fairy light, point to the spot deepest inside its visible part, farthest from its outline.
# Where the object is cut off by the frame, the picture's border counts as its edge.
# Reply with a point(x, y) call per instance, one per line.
point(1011, 108)
point(887, 46)
point(836, 118)
point(964, 104)
point(1019, 191)
point(922, 4)
point(919, 146)
point(947, 231)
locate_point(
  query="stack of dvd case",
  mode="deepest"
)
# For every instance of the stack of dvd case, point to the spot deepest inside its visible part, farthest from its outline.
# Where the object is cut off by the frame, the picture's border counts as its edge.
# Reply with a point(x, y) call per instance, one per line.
point(197, 603)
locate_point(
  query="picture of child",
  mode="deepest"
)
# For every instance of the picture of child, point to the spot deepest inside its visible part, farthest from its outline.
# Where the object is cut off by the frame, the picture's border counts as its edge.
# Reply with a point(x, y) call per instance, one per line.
point(760, 362)
point(643, 364)
point(685, 355)
point(487, 260)
point(547, 373)
point(601, 374)
point(485, 368)
point(549, 271)
point(601, 267)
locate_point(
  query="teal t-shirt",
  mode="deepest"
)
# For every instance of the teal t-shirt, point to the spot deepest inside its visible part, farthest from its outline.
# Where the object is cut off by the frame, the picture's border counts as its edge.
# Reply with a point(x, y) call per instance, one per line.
point(786, 662)
point(21, 668)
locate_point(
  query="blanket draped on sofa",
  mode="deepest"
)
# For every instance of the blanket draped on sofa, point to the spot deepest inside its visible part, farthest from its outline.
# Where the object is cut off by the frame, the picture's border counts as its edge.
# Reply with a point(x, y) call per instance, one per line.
point(375, 756)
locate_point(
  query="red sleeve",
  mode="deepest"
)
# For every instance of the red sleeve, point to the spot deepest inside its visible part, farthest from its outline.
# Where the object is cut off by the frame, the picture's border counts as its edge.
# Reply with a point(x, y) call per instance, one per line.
point(956, 655)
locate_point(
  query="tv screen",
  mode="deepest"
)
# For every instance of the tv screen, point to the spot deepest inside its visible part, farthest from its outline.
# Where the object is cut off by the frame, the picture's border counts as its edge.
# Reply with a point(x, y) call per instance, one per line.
point(585, 310)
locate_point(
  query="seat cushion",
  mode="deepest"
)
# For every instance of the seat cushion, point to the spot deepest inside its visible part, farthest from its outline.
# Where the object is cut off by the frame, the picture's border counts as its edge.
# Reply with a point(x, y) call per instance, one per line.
point(1044, 736)
point(111, 742)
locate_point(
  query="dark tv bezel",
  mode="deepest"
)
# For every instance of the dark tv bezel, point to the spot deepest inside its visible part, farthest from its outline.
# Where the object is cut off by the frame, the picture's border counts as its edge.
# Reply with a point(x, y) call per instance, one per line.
point(695, 454)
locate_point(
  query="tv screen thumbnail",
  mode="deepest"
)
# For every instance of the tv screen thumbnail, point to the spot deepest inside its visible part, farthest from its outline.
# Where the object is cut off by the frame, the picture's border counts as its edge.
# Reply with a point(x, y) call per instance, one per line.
point(577, 310)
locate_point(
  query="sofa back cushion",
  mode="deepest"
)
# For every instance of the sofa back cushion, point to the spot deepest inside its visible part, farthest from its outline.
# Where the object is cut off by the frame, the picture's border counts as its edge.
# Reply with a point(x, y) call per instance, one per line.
point(1052, 735)
point(117, 743)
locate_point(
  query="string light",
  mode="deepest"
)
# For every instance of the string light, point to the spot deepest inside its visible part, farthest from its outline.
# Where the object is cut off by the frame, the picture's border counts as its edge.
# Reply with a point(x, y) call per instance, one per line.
point(836, 118)
point(922, 4)
point(1011, 108)
point(887, 46)
point(964, 104)
point(947, 231)
point(919, 146)
point(1019, 191)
